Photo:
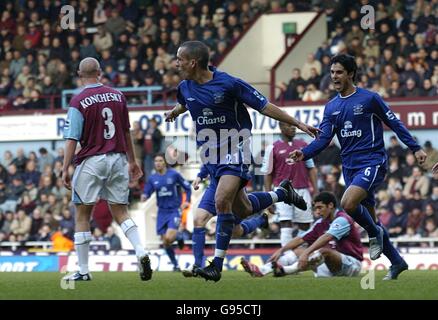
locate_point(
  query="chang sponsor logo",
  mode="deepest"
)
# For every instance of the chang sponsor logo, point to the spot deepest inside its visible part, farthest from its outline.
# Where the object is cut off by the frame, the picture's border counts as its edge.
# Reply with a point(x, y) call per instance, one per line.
point(207, 118)
point(164, 192)
point(347, 132)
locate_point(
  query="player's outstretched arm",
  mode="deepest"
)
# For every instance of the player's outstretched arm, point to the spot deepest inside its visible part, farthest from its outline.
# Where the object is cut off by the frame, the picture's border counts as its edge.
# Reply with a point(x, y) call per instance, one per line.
point(276, 113)
point(291, 245)
point(171, 115)
point(70, 147)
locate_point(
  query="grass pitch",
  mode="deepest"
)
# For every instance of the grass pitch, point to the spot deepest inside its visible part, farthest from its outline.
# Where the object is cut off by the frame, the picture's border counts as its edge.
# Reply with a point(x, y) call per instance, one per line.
point(233, 285)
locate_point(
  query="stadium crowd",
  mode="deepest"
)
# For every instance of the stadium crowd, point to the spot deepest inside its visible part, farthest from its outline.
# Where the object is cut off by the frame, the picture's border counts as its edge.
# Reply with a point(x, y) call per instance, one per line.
point(35, 206)
point(136, 43)
point(399, 58)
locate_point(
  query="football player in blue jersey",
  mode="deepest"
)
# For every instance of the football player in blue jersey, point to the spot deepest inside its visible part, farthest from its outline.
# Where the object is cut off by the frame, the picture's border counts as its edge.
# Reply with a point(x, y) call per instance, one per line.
point(207, 210)
point(216, 101)
point(356, 116)
point(166, 183)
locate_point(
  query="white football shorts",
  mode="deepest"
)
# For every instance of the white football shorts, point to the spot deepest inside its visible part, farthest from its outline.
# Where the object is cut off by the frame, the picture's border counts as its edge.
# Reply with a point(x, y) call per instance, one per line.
point(350, 268)
point(286, 212)
point(102, 176)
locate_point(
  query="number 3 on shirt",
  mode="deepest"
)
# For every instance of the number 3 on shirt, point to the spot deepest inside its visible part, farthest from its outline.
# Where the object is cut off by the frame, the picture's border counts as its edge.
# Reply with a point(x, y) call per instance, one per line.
point(110, 129)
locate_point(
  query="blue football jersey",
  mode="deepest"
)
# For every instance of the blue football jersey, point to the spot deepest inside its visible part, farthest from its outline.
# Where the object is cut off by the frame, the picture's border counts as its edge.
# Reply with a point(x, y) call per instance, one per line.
point(167, 188)
point(219, 105)
point(357, 122)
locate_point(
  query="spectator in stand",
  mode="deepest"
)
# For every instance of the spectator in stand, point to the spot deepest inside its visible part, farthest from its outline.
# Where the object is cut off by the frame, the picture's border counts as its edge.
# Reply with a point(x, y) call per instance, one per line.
point(332, 185)
point(398, 221)
point(408, 167)
point(416, 182)
point(430, 228)
point(310, 63)
point(432, 155)
point(395, 168)
point(152, 143)
point(44, 158)
point(113, 239)
point(415, 218)
point(21, 224)
point(312, 94)
point(36, 225)
point(26, 204)
point(67, 223)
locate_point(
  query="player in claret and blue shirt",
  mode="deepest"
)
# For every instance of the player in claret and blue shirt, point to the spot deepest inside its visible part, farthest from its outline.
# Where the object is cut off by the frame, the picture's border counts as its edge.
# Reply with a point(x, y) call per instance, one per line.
point(356, 116)
point(216, 101)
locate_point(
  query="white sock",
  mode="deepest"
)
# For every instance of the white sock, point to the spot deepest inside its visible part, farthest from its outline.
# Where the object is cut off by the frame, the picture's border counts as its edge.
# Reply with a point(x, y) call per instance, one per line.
point(291, 269)
point(266, 268)
point(285, 235)
point(130, 230)
point(218, 253)
point(273, 196)
point(82, 246)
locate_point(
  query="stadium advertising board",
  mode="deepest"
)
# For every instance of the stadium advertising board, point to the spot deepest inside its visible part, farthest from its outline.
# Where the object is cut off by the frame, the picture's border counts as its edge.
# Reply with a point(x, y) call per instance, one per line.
point(50, 127)
point(29, 263)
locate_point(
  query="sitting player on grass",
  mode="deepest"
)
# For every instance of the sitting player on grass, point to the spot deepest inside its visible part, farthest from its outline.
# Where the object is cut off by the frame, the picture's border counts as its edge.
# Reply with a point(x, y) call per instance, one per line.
point(334, 246)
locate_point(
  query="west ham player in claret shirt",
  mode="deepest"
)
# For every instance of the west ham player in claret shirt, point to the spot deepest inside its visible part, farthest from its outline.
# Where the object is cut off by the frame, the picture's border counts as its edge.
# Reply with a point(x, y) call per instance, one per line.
point(98, 119)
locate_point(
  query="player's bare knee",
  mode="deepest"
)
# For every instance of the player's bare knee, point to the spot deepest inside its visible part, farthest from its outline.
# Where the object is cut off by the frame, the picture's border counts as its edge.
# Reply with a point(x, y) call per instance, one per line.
point(348, 205)
point(199, 222)
point(223, 204)
point(166, 242)
point(201, 219)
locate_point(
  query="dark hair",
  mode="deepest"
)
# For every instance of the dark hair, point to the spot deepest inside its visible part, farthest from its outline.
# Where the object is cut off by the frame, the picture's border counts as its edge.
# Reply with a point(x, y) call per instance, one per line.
point(160, 154)
point(326, 198)
point(347, 62)
point(197, 50)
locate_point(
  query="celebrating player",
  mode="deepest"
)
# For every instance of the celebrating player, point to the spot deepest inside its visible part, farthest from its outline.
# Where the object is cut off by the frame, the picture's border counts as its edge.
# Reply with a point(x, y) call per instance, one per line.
point(216, 100)
point(355, 115)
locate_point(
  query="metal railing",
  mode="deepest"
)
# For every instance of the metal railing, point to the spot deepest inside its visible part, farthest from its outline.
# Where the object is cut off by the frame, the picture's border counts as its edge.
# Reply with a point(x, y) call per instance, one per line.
point(150, 91)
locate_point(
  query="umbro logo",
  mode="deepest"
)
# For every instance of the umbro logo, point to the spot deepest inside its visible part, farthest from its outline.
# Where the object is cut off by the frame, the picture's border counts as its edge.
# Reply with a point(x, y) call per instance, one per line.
point(366, 179)
point(336, 113)
point(191, 99)
point(155, 182)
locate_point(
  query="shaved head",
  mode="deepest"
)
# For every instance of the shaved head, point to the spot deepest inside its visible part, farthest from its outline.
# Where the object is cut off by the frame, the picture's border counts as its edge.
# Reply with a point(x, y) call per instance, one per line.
point(89, 68)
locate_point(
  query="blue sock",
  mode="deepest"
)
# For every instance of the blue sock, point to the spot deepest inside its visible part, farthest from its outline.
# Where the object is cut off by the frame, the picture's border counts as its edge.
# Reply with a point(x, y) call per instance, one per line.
point(281, 194)
point(250, 224)
point(364, 219)
point(171, 253)
point(388, 249)
point(260, 200)
point(224, 230)
point(198, 239)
